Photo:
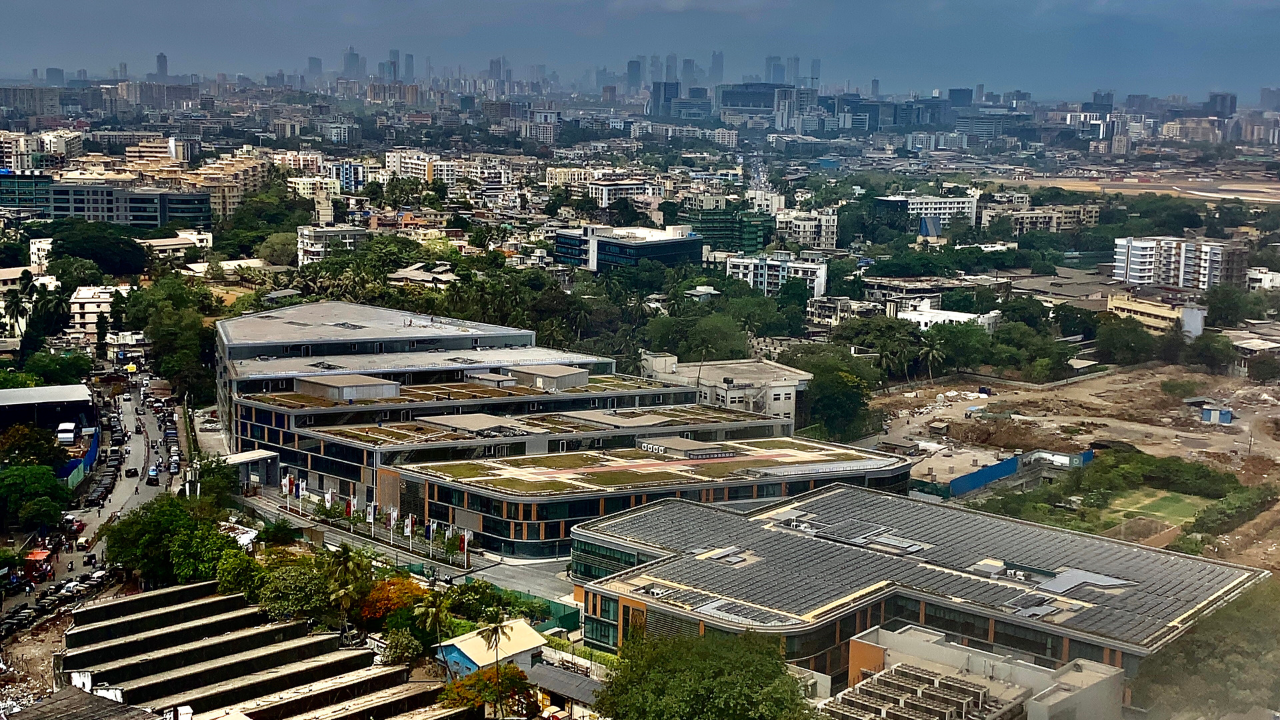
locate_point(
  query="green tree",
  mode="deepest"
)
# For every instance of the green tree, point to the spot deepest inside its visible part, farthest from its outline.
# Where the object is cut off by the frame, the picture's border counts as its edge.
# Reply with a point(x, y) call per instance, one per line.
point(964, 345)
point(1026, 310)
point(69, 369)
point(1072, 320)
point(239, 573)
point(279, 249)
point(299, 590)
point(714, 337)
point(837, 397)
point(1212, 350)
point(39, 512)
point(140, 540)
point(713, 677)
point(431, 613)
point(196, 553)
point(74, 272)
point(494, 632)
point(1227, 306)
point(29, 445)
point(1264, 368)
point(1124, 341)
point(350, 572)
point(402, 647)
point(794, 292)
point(105, 244)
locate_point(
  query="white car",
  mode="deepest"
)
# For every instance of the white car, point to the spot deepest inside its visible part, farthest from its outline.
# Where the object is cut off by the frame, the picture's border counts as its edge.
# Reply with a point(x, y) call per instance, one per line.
point(126, 398)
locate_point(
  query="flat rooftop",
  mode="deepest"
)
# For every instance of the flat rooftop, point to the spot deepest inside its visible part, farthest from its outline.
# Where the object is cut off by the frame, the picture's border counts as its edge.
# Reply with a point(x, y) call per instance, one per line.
point(809, 559)
point(406, 362)
point(755, 371)
point(342, 321)
point(626, 470)
point(463, 391)
point(474, 426)
point(48, 394)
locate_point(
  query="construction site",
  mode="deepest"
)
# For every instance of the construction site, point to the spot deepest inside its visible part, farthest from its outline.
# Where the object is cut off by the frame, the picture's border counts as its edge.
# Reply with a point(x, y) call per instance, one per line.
point(1228, 423)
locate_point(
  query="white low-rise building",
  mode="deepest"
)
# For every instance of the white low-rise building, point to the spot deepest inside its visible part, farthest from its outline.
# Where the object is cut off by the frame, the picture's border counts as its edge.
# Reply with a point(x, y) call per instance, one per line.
point(943, 208)
point(755, 385)
point(87, 303)
point(924, 316)
point(1260, 278)
point(308, 187)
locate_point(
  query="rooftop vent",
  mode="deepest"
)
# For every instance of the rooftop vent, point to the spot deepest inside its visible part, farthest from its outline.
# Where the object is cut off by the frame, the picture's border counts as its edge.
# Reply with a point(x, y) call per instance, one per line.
point(349, 326)
point(295, 323)
point(322, 365)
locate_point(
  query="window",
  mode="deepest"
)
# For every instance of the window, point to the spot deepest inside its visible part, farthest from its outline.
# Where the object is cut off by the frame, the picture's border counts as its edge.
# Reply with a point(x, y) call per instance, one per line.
point(608, 609)
point(599, 631)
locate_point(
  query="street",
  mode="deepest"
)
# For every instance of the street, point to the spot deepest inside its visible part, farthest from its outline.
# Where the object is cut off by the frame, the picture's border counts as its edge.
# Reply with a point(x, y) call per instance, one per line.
point(122, 500)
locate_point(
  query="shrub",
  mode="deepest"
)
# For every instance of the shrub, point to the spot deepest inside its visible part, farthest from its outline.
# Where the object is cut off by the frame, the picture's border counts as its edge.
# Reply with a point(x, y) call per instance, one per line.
point(239, 573)
point(1179, 388)
point(1188, 544)
point(402, 647)
point(1234, 510)
point(389, 596)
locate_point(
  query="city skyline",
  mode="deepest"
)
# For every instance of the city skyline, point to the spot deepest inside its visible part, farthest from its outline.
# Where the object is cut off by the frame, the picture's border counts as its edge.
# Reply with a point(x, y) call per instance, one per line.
point(1078, 46)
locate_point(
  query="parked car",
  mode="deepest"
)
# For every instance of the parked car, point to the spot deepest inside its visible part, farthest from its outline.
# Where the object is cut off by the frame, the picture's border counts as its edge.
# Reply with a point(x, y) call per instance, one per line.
point(131, 472)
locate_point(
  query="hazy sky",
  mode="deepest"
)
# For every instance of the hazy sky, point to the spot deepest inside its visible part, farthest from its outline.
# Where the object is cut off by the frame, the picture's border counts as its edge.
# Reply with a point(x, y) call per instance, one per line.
point(1059, 49)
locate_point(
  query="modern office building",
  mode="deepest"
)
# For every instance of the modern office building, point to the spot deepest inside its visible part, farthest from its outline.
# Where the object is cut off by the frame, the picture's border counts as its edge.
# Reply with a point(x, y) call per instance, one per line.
point(139, 207)
point(768, 273)
point(661, 96)
point(474, 425)
point(727, 229)
point(1177, 262)
point(943, 208)
point(748, 98)
point(599, 247)
point(819, 569)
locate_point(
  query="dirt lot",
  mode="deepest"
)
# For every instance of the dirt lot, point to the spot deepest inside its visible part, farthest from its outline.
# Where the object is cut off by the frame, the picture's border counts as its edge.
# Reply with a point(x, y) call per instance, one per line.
point(1129, 407)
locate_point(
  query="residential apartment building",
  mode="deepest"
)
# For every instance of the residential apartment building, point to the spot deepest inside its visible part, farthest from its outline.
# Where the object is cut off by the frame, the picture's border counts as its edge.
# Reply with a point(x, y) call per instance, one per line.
point(605, 192)
point(307, 162)
point(315, 242)
point(177, 246)
point(598, 247)
point(943, 208)
point(1177, 262)
point(755, 385)
point(1048, 218)
point(444, 420)
point(87, 303)
point(350, 174)
point(146, 207)
point(833, 310)
point(813, 229)
point(768, 273)
point(310, 186)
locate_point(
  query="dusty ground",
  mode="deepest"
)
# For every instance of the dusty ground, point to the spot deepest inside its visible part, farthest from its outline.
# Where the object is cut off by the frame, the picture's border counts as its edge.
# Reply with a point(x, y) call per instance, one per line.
point(1128, 407)
point(29, 660)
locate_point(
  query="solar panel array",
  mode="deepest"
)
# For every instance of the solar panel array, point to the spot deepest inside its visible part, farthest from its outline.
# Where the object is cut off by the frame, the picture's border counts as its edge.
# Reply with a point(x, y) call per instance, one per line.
point(797, 574)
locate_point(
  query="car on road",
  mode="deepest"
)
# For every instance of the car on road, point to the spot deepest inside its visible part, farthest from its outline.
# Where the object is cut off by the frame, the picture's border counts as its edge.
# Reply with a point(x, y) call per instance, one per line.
point(126, 398)
point(131, 472)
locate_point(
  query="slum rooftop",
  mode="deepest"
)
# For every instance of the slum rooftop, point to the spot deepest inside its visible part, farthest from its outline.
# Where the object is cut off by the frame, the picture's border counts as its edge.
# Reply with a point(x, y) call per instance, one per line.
point(343, 321)
point(474, 426)
point(464, 391)
point(809, 559)
point(628, 469)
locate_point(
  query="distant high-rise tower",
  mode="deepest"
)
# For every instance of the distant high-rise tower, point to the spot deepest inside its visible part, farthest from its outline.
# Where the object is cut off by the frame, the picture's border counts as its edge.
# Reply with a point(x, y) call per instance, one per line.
point(82, 74)
point(670, 75)
point(124, 71)
point(1221, 105)
point(716, 76)
point(162, 66)
point(774, 72)
point(793, 70)
point(655, 69)
point(55, 77)
point(960, 97)
point(393, 65)
point(406, 73)
point(815, 71)
point(634, 68)
point(688, 73)
point(980, 93)
point(314, 68)
point(350, 64)
point(875, 87)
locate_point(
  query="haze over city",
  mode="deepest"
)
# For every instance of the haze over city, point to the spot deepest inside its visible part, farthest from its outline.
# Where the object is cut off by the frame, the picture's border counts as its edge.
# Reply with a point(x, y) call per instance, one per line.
point(1057, 49)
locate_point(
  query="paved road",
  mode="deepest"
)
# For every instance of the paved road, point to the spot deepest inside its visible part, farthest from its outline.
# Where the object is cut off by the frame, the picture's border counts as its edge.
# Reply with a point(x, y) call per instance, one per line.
point(121, 501)
point(544, 579)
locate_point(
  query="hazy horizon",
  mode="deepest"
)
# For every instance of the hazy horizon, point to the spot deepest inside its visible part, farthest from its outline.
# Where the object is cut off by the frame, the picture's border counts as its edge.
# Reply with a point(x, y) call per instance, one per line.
point(1055, 49)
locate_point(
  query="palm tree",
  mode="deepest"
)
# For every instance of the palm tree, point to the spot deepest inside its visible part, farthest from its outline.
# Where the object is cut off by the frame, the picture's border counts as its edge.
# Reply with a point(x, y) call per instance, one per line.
point(15, 310)
point(931, 352)
point(350, 569)
point(495, 632)
point(432, 614)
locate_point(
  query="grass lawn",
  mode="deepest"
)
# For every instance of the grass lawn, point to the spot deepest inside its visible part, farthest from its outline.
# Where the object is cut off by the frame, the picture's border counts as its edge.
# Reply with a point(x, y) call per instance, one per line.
point(463, 470)
point(555, 462)
point(1173, 508)
point(725, 469)
point(531, 486)
point(629, 477)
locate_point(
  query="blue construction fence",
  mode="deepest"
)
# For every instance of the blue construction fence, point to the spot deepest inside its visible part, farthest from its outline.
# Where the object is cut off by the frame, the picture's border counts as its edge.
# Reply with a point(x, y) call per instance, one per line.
point(983, 477)
point(75, 470)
